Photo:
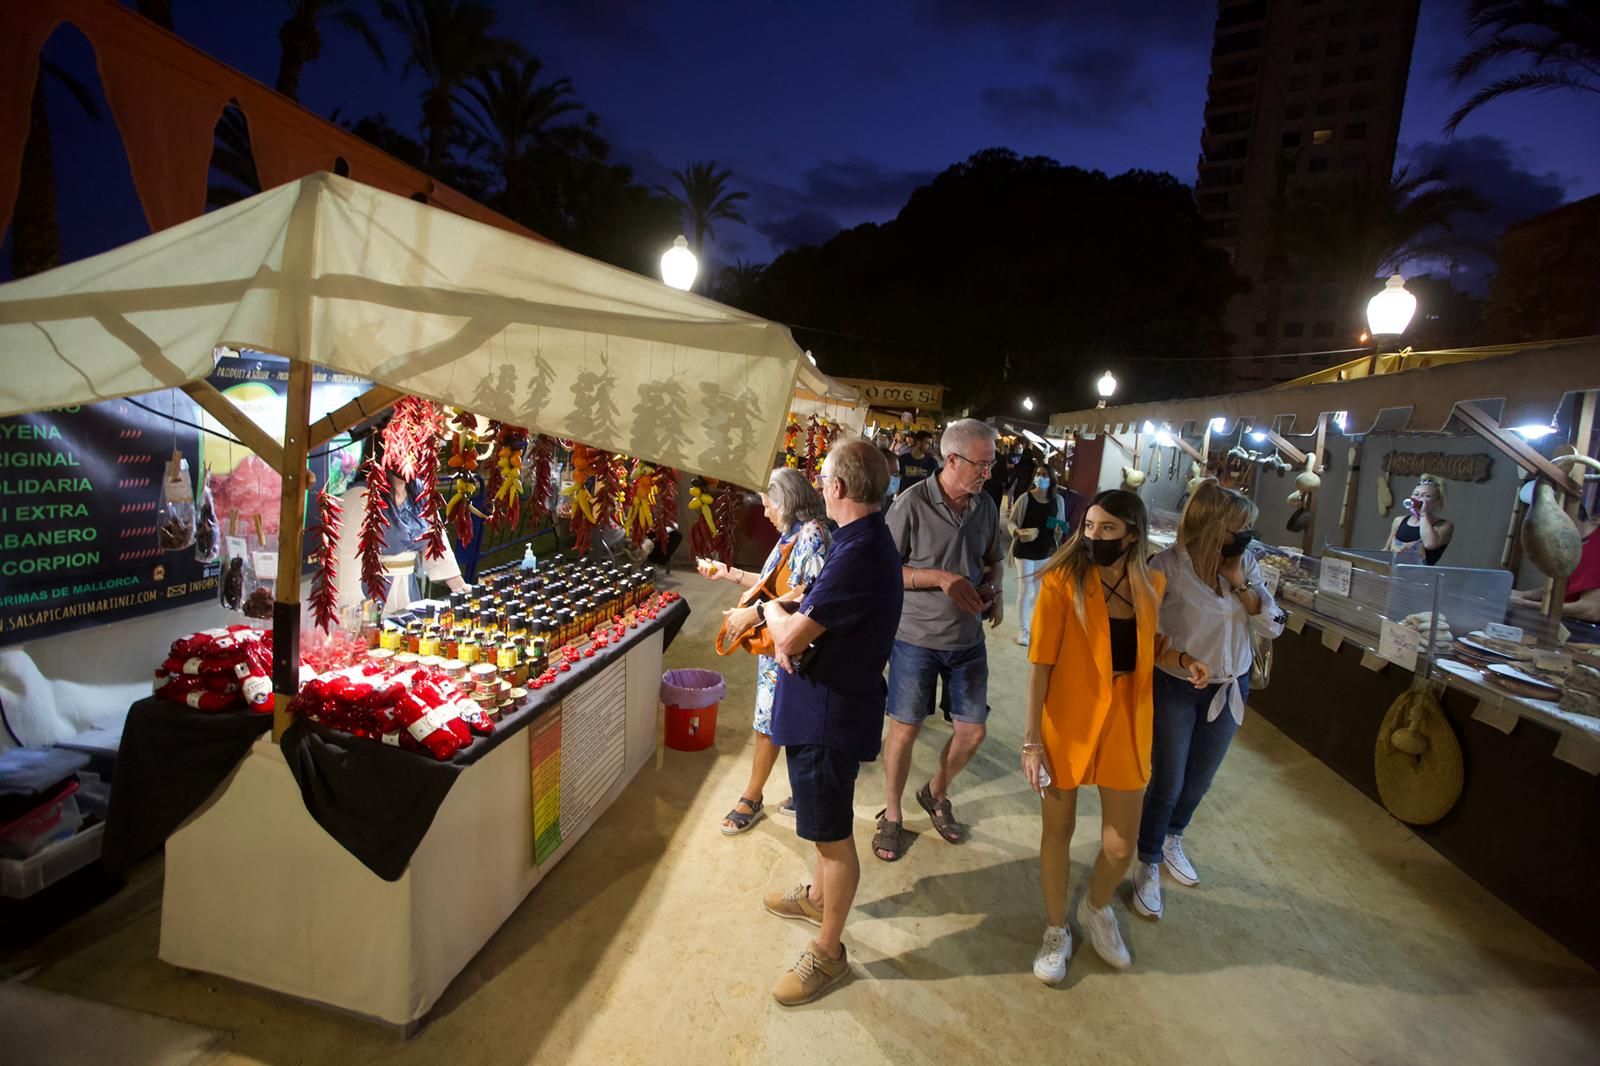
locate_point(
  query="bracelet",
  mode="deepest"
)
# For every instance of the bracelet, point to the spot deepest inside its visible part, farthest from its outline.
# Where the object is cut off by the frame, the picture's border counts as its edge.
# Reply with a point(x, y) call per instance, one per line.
point(1182, 655)
point(1033, 748)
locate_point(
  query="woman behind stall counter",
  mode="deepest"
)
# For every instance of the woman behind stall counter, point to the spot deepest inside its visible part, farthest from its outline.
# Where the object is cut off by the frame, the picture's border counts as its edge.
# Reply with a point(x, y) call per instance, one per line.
point(1095, 648)
point(797, 512)
point(1422, 530)
point(1215, 595)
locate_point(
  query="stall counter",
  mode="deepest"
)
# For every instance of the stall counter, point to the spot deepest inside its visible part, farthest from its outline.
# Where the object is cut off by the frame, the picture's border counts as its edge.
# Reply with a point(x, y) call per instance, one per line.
point(1523, 825)
point(257, 891)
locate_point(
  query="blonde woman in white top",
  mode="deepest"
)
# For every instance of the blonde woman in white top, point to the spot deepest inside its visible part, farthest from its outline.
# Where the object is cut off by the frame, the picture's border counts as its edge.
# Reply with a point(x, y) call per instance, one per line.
point(1215, 594)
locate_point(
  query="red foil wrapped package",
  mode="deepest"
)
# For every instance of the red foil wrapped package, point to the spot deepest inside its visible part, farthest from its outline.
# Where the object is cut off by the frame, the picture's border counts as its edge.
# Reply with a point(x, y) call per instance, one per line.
point(428, 726)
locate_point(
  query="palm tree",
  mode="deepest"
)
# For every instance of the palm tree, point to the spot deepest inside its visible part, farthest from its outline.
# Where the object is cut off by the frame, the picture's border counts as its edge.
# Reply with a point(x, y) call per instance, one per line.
point(300, 37)
point(511, 117)
point(705, 200)
point(733, 282)
point(1560, 42)
point(35, 227)
point(448, 42)
point(1353, 232)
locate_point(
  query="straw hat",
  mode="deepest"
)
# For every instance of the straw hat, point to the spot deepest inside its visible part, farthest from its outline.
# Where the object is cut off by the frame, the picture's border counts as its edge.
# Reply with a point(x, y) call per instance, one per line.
point(1418, 760)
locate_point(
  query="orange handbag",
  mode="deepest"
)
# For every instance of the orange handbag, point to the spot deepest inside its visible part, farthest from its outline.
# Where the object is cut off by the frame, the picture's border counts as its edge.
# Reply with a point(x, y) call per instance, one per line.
point(757, 640)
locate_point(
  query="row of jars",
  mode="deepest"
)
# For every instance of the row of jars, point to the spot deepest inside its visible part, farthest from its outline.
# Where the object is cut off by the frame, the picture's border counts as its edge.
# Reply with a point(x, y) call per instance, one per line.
point(550, 608)
point(516, 657)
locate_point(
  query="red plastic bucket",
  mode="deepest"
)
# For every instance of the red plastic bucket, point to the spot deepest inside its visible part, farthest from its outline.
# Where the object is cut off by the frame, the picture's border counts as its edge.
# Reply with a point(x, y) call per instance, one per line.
point(691, 698)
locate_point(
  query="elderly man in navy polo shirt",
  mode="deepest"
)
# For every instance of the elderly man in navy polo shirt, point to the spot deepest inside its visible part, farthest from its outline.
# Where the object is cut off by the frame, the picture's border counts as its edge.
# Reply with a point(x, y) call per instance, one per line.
point(828, 710)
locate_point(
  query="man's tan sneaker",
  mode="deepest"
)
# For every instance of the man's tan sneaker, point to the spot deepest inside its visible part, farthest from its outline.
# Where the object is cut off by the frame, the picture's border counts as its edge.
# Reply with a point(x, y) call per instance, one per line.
point(811, 975)
point(795, 903)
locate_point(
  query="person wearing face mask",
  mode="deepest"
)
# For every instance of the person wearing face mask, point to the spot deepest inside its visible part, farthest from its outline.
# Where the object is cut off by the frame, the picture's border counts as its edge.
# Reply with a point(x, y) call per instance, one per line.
point(1215, 595)
point(1039, 517)
point(1422, 530)
point(1095, 650)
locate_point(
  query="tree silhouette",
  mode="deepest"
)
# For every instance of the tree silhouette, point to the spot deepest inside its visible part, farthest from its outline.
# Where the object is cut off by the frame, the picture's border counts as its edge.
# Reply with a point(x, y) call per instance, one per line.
point(736, 280)
point(448, 42)
point(1352, 232)
point(1559, 42)
point(705, 200)
point(1008, 275)
point(233, 161)
point(512, 118)
point(300, 37)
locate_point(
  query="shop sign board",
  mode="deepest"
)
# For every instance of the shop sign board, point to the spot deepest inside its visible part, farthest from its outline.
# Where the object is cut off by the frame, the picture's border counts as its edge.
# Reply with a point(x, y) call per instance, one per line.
point(81, 492)
point(897, 395)
point(1474, 468)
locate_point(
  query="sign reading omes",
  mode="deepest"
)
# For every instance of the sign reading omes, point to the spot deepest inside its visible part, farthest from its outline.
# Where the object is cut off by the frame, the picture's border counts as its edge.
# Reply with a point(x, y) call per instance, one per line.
point(1474, 467)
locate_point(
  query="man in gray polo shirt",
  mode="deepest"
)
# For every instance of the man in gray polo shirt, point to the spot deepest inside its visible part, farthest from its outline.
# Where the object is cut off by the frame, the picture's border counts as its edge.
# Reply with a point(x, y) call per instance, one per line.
point(952, 551)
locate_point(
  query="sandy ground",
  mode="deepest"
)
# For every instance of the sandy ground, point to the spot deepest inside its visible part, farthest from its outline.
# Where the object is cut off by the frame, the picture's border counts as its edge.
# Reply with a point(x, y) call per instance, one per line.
point(1323, 931)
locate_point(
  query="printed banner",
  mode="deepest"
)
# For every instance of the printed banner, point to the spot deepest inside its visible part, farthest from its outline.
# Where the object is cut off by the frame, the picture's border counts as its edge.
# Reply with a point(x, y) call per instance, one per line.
point(81, 497)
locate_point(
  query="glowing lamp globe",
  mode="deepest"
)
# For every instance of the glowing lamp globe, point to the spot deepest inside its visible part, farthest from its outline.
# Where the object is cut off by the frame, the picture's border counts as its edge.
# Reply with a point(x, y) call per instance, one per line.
point(1389, 312)
point(679, 266)
point(1106, 386)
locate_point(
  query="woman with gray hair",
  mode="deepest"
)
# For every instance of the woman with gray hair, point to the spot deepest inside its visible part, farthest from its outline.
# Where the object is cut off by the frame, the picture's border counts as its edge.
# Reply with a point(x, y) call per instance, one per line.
point(797, 512)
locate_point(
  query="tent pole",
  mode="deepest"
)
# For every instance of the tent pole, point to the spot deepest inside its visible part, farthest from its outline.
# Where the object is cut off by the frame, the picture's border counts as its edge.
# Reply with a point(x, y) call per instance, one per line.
point(291, 550)
point(236, 422)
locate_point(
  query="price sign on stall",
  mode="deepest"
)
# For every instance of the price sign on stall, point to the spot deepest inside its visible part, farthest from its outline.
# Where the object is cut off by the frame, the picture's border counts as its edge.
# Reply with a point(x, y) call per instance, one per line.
point(1398, 644)
point(1334, 577)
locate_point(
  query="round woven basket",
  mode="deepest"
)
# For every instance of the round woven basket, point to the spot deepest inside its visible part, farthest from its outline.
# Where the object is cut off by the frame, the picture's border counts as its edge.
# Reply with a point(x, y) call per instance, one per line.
point(1418, 760)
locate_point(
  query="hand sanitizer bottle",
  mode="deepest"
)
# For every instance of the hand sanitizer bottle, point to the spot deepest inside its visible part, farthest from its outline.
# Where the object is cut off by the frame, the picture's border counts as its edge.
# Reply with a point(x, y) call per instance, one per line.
point(529, 561)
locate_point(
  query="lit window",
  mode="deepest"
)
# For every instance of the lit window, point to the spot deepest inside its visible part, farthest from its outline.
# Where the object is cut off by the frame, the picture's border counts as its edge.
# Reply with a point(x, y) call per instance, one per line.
point(1321, 136)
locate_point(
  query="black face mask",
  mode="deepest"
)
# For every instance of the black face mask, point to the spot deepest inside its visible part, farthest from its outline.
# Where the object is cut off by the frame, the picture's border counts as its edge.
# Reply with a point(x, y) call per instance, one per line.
point(1241, 540)
point(1106, 552)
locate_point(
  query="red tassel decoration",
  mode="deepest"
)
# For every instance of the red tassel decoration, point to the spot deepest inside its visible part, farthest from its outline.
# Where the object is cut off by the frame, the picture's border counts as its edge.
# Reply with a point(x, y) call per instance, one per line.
point(374, 524)
point(325, 585)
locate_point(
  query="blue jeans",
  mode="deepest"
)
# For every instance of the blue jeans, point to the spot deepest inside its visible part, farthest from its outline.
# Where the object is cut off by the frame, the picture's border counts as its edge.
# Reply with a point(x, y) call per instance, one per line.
point(915, 670)
point(1185, 751)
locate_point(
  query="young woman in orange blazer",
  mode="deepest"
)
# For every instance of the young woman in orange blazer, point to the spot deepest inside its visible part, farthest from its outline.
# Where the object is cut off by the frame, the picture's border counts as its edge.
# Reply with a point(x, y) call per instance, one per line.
point(1093, 651)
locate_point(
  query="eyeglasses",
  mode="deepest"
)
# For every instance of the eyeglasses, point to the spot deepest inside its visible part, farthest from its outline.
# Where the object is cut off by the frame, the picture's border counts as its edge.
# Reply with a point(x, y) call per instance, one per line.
point(985, 468)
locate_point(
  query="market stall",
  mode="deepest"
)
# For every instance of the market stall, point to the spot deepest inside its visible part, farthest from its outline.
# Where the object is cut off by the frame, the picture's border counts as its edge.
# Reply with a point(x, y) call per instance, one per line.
point(393, 767)
point(1469, 712)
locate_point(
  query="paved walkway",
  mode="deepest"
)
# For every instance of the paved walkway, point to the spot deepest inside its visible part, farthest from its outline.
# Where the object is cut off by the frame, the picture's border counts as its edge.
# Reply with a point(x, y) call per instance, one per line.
point(1323, 932)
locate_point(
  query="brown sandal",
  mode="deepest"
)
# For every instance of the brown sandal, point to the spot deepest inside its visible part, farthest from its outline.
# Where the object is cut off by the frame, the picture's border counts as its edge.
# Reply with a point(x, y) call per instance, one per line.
point(944, 820)
point(890, 837)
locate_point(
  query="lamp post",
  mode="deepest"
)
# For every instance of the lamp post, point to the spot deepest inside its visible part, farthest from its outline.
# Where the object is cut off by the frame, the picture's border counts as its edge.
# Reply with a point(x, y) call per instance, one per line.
point(1106, 387)
point(679, 266)
point(1388, 314)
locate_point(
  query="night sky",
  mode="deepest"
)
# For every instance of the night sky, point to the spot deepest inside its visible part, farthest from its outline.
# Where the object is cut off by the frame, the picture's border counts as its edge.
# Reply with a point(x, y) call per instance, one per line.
point(829, 114)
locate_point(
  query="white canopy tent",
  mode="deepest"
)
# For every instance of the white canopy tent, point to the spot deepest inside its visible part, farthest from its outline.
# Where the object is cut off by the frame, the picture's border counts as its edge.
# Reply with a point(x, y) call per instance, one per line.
point(423, 301)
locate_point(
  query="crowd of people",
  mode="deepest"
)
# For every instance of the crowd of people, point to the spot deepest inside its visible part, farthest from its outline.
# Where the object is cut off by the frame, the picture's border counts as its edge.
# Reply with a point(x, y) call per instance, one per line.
point(1139, 668)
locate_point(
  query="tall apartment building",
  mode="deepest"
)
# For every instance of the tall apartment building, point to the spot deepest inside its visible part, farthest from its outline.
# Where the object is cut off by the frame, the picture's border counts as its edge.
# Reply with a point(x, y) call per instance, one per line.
point(1303, 93)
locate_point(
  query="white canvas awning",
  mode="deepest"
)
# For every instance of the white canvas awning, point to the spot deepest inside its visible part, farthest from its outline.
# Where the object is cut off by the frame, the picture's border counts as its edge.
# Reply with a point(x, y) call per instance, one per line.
point(1520, 385)
point(409, 296)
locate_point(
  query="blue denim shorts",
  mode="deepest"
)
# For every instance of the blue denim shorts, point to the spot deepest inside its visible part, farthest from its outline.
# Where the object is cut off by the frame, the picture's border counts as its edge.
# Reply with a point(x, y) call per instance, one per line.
point(823, 783)
point(914, 672)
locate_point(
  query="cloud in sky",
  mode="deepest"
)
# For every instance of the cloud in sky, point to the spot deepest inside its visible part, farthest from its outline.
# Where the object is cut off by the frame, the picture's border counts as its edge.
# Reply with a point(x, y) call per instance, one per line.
point(1499, 174)
point(1097, 85)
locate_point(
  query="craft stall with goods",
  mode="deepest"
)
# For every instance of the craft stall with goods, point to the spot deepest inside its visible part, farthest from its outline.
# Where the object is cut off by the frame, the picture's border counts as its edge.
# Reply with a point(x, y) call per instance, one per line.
point(1436, 562)
point(330, 706)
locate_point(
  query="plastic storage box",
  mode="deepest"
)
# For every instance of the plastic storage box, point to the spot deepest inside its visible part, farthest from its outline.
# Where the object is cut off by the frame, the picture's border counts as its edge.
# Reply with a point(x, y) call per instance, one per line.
point(20, 878)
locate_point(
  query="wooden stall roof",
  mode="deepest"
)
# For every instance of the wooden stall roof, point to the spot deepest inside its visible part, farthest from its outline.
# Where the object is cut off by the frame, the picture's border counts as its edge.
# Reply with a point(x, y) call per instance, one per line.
point(1518, 384)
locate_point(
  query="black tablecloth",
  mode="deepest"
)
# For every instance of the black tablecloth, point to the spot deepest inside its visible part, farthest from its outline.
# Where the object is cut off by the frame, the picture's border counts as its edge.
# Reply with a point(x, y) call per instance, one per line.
point(171, 760)
point(378, 800)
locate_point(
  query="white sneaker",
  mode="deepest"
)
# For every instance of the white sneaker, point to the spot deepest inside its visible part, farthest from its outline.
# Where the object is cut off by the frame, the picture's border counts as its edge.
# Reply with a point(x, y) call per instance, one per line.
point(1104, 934)
point(1050, 965)
point(1022, 639)
point(1178, 863)
point(1147, 889)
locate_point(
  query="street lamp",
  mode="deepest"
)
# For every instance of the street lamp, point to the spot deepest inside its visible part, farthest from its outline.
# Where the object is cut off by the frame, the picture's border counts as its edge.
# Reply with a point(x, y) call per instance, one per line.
point(1389, 312)
point(1106, 387)
point(1027, 403)
point(679, 266)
